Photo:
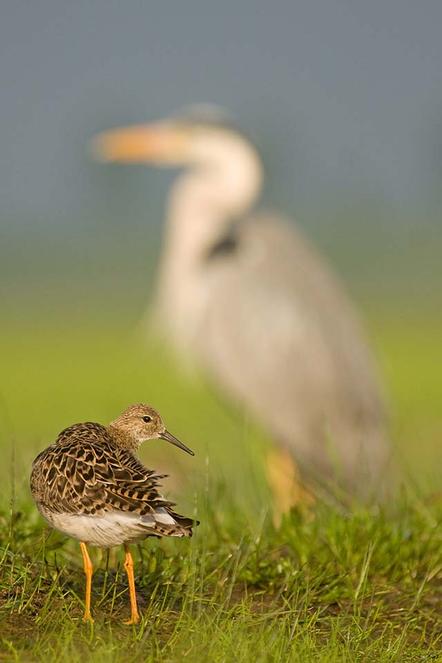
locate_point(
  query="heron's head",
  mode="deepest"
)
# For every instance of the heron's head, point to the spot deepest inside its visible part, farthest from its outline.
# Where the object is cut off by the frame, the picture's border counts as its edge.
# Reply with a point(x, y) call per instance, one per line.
point(226, 169)
point(139, 423)
point(200, 136)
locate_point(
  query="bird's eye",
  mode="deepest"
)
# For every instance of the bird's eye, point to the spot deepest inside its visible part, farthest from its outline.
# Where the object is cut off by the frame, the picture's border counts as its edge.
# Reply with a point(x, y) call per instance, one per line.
point(146, 419)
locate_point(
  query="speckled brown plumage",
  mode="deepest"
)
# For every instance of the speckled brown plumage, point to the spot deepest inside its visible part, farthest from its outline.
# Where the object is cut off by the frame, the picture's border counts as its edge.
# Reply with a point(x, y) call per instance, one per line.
point(85, 472)
point(89, 484)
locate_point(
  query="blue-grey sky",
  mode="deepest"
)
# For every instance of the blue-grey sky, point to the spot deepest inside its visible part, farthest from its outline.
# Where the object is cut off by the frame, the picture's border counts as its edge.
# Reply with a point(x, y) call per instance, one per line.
point(344, 97)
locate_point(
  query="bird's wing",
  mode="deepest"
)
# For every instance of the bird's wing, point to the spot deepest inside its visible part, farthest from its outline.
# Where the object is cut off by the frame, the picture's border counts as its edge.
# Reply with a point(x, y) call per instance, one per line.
point(280, 333)
point(93, 478)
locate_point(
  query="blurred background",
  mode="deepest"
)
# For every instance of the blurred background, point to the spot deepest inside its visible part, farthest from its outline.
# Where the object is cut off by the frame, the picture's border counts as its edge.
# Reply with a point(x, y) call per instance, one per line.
point(343, 99)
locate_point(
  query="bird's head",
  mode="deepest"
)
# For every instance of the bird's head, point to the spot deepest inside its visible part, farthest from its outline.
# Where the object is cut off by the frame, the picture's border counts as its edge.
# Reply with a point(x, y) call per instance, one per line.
point(228, 168)
point(139, 423)
point(197, 135)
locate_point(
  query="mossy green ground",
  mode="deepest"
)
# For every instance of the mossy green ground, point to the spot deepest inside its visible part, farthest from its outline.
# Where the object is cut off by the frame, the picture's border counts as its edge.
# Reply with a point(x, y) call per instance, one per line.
point(332, 584)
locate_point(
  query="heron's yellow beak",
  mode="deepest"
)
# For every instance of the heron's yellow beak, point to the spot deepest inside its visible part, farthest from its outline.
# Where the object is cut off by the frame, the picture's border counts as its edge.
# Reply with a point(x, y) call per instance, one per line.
point(143, 143)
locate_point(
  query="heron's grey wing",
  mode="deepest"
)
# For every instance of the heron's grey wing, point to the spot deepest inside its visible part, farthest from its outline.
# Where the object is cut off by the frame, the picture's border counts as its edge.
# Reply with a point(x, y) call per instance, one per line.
point(280, 334)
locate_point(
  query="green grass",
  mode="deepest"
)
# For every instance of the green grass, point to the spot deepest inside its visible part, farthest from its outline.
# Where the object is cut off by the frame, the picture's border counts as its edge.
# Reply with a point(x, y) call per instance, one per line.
point(333, 584)
point(345, 587)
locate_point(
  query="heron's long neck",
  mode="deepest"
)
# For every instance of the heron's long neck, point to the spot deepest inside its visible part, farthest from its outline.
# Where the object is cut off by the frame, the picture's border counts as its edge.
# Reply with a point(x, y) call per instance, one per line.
point(205, 200)
point(201, 207)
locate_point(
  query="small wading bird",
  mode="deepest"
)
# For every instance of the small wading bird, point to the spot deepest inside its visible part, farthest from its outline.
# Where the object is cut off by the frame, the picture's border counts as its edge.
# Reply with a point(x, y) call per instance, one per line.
point(89, 485)
point(254, 304)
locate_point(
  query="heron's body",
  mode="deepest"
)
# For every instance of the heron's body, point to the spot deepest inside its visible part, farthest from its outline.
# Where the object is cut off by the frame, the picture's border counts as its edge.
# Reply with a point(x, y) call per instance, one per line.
point(268, 332)
point(256, 306)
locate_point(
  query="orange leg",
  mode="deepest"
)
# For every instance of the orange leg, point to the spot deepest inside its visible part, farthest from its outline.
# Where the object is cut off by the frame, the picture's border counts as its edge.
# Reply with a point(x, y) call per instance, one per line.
point(88, 569)
point(286, 485)
point(129, 568)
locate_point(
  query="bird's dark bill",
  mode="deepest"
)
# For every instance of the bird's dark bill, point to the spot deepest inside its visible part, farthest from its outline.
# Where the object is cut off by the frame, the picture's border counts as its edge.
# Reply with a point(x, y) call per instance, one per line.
point(174, 440)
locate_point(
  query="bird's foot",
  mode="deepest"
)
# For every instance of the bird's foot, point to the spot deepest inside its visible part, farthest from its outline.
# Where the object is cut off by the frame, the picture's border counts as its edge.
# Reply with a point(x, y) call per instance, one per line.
point(87, 617)
point(134, 619)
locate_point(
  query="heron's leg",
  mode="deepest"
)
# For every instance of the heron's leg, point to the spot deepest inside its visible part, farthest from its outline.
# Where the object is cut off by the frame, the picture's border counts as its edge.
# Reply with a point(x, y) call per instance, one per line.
point(88, 570)
point(129, 568)
point(285, 483)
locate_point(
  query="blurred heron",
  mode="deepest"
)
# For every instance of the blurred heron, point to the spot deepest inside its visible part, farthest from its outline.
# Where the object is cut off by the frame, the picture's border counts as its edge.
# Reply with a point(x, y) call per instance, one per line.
point(251, 301)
